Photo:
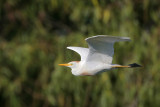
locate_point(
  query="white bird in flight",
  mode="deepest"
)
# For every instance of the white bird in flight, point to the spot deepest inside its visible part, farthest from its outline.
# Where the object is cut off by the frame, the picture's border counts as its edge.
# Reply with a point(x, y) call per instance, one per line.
point(98, 57)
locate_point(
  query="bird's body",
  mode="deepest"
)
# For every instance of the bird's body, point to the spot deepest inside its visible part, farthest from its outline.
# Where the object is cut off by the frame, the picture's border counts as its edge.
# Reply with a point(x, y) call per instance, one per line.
point(89, 68)
point(96, 58)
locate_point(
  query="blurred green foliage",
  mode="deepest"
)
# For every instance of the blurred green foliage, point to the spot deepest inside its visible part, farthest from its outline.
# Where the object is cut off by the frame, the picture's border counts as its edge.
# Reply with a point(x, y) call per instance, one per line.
point(34, 35)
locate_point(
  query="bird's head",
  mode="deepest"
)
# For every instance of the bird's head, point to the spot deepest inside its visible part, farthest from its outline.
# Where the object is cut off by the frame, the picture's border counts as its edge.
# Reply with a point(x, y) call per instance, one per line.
point(73, 64)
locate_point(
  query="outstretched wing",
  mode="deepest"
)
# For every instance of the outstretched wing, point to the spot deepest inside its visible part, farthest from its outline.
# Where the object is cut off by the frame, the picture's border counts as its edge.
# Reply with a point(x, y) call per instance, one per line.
point(83, 52)
point(101, 47)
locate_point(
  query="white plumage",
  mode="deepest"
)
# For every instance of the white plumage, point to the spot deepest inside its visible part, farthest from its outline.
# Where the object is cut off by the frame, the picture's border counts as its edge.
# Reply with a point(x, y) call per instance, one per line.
point(98, 57)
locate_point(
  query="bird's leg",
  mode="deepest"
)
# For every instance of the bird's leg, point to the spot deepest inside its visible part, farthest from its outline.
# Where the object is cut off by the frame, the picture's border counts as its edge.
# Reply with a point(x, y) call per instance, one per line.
point(129, 66)
point(120, 66)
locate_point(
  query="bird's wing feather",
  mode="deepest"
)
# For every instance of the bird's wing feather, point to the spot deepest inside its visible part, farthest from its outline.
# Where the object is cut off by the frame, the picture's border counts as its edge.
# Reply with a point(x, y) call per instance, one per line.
point(83, 52)
point(101, 47)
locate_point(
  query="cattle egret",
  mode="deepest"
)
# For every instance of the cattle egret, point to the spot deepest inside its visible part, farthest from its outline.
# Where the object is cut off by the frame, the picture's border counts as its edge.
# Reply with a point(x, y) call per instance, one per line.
point(98, 57)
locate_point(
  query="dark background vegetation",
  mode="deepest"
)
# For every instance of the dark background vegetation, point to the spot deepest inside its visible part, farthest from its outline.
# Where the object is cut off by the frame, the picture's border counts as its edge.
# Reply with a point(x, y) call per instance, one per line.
point(34, 35)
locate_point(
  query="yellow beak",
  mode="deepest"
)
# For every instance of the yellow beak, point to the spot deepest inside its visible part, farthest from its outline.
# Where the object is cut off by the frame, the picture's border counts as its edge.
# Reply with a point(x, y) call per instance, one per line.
point(65, 64)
